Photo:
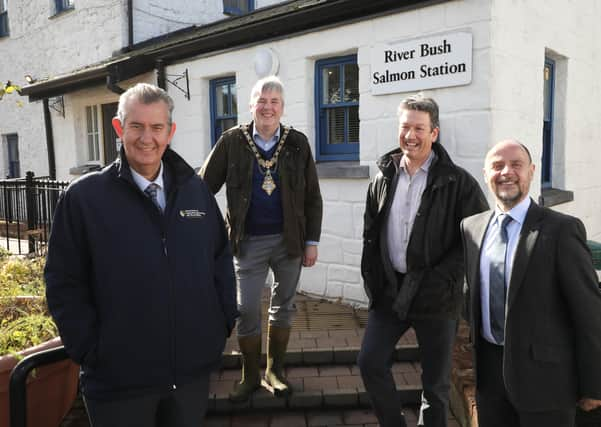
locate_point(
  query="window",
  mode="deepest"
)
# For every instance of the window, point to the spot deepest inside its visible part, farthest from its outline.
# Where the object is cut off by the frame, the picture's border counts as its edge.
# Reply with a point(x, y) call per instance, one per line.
point(12, 151)
point(548, 93)
point(238, 7)
point(553, 161)
point(337, 108)
point(93, 134)
point(110, 141)
point(3, 18)
point(224, 106)
point(62, 5)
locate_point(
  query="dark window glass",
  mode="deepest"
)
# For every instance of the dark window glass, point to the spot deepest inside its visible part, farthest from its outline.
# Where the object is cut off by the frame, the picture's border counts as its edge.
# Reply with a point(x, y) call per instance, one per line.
point(3, 19)
point(548, 90)
point(238, 7)
point(12, 147)
point(224, 108)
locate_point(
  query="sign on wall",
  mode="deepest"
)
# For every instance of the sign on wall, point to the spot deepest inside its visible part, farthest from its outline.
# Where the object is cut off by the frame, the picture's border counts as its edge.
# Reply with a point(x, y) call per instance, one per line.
point(425, 63)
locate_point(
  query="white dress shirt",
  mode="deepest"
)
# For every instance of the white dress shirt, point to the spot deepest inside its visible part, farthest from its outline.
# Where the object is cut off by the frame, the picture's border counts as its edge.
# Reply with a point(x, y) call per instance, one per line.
point(406, 201)
point(143, 183)
point(518, 215)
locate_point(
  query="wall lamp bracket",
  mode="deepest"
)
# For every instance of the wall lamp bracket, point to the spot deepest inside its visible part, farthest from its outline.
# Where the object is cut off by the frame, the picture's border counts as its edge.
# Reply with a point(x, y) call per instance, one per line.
point(57, 103)
point(176, 80)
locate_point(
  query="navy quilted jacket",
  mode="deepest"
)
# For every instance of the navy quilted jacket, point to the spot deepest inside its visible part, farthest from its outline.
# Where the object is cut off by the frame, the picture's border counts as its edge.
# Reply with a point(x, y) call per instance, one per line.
point(143, 301)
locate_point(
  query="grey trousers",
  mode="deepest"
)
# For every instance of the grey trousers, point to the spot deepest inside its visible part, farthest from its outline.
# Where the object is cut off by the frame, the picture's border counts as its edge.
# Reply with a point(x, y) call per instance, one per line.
point(435, 338)
point(257, 255)
point(184, 407)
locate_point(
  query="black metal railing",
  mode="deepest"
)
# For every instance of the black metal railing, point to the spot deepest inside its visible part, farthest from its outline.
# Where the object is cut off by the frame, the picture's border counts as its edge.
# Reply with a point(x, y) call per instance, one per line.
point(17, 390)
point(26, 209)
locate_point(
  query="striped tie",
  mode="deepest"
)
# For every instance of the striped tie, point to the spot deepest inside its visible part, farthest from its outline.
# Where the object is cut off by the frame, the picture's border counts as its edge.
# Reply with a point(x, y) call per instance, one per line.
point(152, 192)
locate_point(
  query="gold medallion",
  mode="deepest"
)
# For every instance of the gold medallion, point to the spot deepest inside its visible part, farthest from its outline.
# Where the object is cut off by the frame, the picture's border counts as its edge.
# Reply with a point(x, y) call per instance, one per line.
point(268, 183)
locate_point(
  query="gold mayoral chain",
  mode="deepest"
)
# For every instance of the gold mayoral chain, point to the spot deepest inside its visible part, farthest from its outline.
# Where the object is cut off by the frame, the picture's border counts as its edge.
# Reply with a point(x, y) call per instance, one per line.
point(268, 183)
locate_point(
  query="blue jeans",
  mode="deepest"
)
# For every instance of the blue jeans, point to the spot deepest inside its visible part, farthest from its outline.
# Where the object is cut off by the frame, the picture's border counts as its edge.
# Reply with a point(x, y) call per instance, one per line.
point(435, 338)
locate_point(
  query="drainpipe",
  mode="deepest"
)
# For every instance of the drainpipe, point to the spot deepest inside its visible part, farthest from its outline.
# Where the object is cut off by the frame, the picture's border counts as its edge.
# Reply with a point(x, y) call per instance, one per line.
point(111, 82)
point(161, 77)
point(49, 141)
point(130, 24)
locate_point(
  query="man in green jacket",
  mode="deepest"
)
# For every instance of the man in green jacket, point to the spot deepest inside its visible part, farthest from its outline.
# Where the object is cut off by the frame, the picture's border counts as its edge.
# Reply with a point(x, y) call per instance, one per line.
point(274, 212)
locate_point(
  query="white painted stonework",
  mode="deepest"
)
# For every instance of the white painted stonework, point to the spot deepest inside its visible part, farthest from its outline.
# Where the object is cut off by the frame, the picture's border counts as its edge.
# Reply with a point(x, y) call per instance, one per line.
point(504, 99)
point(44, 45)
point(337, 273)
point(154, 18)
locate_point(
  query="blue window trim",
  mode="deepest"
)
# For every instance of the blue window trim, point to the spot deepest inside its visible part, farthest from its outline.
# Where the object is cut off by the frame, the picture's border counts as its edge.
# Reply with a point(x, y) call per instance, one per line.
point(323, 152)
point(229, 10)
point(213, 84)
point(547, 157)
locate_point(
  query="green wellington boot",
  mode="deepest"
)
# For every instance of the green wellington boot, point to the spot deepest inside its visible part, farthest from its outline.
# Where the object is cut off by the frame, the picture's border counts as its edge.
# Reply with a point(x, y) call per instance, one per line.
point(250, 348)
point(277, 342)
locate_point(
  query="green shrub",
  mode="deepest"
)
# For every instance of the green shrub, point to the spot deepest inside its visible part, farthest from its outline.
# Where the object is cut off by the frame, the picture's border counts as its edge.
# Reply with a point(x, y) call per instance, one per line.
point(25, 331)
point(25, 321)
point(22, 276)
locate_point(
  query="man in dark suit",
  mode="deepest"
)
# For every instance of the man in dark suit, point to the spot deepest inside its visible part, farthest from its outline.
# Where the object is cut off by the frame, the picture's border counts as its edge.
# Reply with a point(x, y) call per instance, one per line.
point(534, 303)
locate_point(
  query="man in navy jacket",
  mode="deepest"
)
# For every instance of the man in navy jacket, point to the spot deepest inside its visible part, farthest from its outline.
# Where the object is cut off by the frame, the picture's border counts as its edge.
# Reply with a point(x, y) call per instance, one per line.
point(139, 276)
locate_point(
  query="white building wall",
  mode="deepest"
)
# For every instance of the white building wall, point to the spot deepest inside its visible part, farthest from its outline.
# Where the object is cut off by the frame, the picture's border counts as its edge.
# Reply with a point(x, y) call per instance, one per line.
point(465, 117)
point(153, 18)
point(522, 32)
point(44, 45)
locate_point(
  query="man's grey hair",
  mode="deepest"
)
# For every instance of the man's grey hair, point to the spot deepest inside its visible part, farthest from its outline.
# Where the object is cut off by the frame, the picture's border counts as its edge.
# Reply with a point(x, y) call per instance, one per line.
point(266, 84)
point(146, 94)
point(419, 102)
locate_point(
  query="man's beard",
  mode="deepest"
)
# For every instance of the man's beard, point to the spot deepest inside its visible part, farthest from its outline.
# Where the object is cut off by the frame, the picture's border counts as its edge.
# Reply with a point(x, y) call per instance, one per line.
point(510, 198)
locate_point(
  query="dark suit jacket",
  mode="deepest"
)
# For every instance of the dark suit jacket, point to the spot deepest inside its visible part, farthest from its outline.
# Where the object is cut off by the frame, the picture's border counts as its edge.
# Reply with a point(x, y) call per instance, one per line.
point(552, 352)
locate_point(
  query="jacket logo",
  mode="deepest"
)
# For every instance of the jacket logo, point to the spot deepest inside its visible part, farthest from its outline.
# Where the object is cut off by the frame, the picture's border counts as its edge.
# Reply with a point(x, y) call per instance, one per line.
point(191, 213)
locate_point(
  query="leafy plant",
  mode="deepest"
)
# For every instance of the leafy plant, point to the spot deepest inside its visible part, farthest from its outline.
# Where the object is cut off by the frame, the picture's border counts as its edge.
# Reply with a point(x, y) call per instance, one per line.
point(23, 310)
point(9, 88)
point(22, 276)
point(26, 331)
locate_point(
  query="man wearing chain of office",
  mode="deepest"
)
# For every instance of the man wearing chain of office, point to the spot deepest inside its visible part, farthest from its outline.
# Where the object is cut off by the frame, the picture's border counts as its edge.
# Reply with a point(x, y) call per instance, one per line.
point(274, 212)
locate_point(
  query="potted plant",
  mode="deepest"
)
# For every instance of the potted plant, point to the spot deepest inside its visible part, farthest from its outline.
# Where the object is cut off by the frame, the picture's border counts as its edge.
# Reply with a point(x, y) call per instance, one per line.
point(25, 328)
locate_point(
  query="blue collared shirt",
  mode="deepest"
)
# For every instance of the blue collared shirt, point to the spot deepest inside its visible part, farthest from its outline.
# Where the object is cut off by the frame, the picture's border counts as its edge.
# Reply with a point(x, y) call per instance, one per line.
point(143, 183)
point(266, 145)
point(518, 214)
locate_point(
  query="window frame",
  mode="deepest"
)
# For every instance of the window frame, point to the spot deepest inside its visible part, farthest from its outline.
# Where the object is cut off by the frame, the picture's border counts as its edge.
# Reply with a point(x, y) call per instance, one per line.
point(237, 11)
point(346, 150)
point(213, 84)
point(95, 133)
point(547, 140)
point(4, 27)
